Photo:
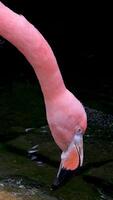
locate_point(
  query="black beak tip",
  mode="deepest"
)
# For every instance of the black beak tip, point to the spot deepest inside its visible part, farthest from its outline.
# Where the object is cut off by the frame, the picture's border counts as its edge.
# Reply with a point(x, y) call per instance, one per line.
point(55, 184)
point(63, 177)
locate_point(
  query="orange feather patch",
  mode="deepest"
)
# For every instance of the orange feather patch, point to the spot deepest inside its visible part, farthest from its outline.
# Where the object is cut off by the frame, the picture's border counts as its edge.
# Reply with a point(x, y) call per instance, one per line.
point(71, 161)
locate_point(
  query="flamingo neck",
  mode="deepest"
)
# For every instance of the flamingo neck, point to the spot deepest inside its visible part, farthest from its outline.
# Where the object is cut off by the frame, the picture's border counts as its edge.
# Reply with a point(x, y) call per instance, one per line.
point(27, 39)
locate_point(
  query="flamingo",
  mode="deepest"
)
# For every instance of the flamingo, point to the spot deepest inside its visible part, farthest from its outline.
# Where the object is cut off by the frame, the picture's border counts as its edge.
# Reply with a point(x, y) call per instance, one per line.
point(66, 115)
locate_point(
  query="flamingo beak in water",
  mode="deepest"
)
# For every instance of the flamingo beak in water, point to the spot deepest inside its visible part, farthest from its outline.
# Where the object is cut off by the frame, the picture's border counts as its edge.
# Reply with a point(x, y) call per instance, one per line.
point(71, 159)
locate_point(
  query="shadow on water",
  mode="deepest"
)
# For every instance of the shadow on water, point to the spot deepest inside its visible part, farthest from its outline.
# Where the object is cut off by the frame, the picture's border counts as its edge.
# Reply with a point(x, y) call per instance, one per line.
point(4, 138)
point(54, 163)
point(105, 188)
point(92, 165)
point(40, 157)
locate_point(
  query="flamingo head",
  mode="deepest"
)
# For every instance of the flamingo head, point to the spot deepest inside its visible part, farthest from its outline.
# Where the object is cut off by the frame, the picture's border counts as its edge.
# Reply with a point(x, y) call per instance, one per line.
point(68, 123)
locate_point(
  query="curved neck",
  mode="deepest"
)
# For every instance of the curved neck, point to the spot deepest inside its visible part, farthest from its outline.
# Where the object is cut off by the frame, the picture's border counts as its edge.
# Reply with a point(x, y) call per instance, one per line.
point(17, 30)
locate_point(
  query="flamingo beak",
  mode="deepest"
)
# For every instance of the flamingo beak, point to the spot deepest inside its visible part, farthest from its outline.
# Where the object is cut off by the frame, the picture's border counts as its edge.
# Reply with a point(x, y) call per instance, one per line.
point(71, 159)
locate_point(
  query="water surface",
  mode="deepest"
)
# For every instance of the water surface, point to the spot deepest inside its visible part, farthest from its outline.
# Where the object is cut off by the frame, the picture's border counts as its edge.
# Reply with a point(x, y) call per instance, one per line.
point(21, 178)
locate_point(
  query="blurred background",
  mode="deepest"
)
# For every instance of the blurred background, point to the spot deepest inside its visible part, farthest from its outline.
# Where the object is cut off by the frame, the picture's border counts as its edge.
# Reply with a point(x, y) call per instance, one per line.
point(74, 32)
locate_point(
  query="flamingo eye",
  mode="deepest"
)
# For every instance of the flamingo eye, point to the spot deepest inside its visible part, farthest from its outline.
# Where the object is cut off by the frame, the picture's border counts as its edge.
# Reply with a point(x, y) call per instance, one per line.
point(79, 130)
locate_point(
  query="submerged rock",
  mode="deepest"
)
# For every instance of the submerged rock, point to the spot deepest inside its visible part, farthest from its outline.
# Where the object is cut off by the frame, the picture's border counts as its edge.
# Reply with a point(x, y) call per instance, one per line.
point(18, 189)
point(4, 195)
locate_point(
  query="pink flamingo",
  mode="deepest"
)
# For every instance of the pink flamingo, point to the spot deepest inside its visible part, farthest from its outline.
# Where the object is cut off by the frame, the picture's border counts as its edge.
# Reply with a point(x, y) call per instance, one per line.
point(65, 114)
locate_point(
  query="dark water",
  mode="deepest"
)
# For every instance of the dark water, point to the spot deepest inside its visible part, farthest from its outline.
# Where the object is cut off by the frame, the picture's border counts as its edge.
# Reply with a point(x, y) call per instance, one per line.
point(21, 177)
